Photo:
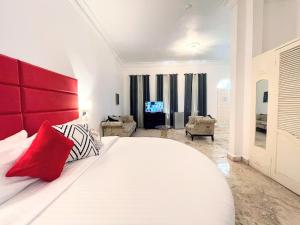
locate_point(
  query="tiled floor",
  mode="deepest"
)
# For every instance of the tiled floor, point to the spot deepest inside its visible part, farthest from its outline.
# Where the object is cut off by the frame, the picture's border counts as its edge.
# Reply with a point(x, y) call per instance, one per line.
point(258, 199)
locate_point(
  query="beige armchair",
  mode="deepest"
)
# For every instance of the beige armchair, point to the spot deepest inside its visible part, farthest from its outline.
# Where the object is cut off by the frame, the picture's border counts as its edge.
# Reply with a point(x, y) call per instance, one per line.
point(123, 128)
point(200, 126)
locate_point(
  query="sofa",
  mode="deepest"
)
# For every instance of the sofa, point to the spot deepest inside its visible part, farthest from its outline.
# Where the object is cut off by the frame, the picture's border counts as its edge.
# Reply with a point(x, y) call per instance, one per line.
point(261, 121)
point(200, 126)
point(124, 127)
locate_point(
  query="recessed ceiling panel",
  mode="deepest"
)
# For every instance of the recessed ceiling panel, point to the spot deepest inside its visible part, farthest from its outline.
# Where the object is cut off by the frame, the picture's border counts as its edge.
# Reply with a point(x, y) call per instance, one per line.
point(160, 30)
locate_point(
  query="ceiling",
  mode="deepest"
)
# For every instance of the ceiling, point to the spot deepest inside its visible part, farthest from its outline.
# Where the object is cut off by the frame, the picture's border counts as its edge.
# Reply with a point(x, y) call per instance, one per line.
point(164, 30)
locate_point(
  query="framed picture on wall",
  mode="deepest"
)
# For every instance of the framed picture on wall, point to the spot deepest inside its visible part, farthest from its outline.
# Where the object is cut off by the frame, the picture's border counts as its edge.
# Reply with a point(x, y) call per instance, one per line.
point(265, 98)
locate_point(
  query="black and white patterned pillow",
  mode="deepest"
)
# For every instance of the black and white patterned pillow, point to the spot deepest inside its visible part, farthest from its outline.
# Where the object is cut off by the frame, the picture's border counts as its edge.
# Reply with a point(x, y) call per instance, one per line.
point(84, 144)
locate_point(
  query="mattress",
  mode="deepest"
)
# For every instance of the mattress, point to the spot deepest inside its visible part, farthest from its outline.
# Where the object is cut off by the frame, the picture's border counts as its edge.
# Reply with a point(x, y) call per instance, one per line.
point(139, 181)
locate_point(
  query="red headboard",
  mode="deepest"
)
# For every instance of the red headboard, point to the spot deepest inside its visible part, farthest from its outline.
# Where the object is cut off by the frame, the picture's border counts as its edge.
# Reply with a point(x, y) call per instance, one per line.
point(30, 95)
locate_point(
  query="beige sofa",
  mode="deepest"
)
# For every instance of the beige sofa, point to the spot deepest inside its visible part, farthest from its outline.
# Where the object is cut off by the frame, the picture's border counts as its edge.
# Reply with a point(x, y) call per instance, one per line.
point(125, 127)
point(200, 126)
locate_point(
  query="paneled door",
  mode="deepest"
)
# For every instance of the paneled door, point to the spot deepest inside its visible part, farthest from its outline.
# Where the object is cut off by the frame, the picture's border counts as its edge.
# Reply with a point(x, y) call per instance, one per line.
point(286, 118)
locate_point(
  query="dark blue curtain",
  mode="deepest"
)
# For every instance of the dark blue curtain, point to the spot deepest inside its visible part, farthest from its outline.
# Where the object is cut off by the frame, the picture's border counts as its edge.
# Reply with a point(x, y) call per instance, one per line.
point(202, 94)
point(133, 96)
point(159, 87)
point(146, 88)
point(187, 96)
point(173, 97)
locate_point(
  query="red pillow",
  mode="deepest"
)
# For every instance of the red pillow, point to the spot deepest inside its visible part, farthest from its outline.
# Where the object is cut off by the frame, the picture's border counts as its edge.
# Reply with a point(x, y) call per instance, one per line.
point(46, 156)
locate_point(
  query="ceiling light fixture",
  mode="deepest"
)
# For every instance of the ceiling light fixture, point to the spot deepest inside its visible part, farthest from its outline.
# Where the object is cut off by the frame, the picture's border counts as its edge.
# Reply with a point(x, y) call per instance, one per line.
point(194, 46)
point(188, 6)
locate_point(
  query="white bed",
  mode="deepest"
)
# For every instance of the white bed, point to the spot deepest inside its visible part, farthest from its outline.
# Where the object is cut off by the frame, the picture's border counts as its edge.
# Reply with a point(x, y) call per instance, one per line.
point(139, 181)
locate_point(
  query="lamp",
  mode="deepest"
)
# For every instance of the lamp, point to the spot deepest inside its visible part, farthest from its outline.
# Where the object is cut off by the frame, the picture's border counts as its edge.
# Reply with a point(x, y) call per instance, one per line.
point(85, 106)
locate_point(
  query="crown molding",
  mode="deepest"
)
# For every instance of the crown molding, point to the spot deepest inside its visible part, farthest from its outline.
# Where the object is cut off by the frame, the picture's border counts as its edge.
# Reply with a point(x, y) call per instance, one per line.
point(173, 63)
point(86, 11)
point(231, 3)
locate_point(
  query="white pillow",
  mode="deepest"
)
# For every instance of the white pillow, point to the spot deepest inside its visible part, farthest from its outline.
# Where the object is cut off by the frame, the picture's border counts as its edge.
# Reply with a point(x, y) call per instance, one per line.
point(10, 186)
point(13, 140)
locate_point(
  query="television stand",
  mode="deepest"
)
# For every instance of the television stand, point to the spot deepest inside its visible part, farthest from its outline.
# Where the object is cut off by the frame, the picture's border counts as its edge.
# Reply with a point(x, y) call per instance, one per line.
point(151, 120)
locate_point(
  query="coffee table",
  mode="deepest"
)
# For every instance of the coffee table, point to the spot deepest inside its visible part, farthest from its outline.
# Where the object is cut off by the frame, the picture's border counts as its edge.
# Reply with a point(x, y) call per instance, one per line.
point(163, 130)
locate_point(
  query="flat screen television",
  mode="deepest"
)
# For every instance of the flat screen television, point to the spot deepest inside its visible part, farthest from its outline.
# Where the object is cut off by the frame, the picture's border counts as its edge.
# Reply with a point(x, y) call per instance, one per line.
point(154, 107)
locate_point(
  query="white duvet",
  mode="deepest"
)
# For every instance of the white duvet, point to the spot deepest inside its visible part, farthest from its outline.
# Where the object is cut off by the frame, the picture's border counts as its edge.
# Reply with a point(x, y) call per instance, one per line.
point(139, 181)
point(10, 186)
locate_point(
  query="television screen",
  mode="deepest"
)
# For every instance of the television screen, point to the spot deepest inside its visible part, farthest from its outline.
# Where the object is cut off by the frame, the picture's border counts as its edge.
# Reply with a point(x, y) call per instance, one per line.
point(154, 107)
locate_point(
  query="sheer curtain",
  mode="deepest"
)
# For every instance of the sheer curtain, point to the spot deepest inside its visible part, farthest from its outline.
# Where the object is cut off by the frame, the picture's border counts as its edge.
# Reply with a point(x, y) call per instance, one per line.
point(195, 97)
point(188, 96)
point(194, 111)
point(173, 97)
point(167, 91)
point(166, 97)
point(140, 105)
point(139, 94)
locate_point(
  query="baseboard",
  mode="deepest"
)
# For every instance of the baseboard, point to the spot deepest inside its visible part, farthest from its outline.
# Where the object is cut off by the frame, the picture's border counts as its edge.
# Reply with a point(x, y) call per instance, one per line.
point(246, 161)
point(236, 158)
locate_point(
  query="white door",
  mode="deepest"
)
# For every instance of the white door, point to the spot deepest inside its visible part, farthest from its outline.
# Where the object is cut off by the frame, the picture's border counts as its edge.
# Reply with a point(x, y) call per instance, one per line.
point(286, 117)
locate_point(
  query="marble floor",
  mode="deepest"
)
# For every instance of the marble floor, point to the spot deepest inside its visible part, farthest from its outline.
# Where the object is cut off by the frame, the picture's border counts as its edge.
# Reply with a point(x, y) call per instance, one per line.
point(258, 199)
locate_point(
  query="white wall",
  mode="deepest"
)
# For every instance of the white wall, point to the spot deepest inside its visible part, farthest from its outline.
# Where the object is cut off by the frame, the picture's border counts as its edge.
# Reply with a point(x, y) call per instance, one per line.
point(281, 22)
point(55, 35)
point(258, 26)
point(298, 18)
point(216, 71)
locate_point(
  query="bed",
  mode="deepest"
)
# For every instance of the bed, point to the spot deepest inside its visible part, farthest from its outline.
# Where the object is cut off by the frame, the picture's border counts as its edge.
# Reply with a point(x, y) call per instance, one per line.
point(138, 181)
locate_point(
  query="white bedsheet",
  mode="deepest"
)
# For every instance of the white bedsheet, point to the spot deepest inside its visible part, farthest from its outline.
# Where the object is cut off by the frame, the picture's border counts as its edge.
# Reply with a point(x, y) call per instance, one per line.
point(26, 205)
point(140, 181)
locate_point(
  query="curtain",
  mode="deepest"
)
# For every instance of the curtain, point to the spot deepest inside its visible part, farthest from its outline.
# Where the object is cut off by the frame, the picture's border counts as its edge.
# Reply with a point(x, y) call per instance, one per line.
point(139, 94)
point(140, 105)
point(159, 87)
point(188, 96)
point(167, 91)
point(146, 94)
point(166, 97)
point(202, 95)
point(173, 97)
point(133, 97)
point(195, 97)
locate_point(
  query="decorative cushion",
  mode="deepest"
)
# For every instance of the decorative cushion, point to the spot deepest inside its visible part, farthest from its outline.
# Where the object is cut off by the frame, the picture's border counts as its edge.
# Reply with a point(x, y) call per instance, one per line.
point(46, 156)
point(84, 144)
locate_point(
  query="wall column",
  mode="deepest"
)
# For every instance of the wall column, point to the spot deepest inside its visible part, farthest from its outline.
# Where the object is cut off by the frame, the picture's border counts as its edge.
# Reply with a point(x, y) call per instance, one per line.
point(241, 78)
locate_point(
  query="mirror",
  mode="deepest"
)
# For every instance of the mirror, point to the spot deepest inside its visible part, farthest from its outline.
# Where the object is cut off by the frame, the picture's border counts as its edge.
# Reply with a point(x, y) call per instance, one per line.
point(261, 113)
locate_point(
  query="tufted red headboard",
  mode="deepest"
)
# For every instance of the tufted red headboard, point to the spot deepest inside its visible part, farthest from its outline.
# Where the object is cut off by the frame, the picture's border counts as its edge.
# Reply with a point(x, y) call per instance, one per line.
point(30, 95)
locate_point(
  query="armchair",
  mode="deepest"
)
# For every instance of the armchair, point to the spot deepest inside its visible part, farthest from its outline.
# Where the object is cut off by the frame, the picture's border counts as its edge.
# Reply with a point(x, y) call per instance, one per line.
point(123, 128)
point(200, 126)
